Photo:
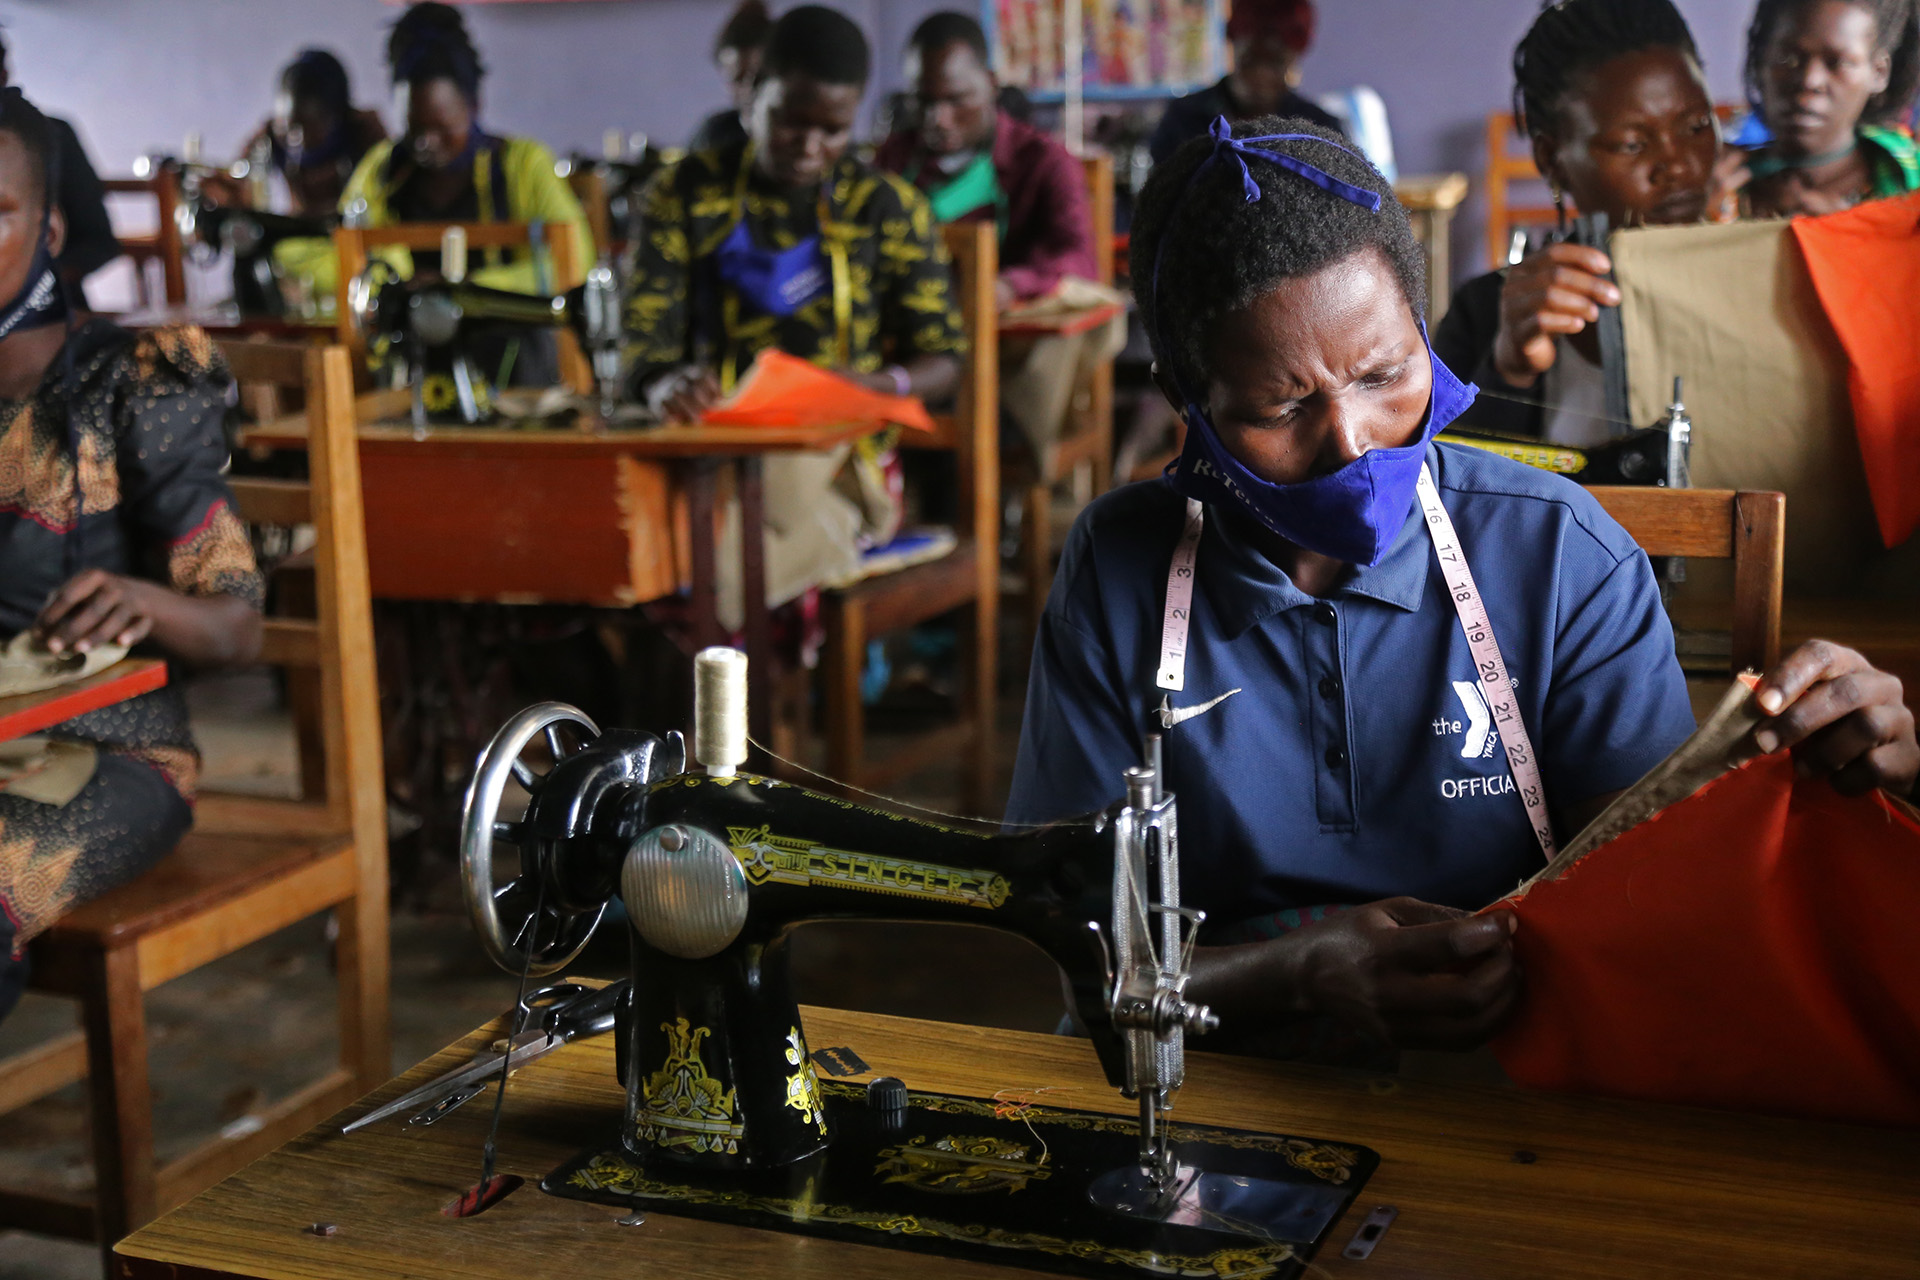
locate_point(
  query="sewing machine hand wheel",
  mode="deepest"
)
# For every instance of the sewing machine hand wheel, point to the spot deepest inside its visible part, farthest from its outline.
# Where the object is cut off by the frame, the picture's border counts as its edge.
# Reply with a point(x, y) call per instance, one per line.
point(505, 916)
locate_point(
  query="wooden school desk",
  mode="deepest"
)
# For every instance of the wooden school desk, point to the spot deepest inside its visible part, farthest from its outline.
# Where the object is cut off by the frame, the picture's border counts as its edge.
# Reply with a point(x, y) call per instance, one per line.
point(608, 516)
point(1491, 1184)
point(26, 713)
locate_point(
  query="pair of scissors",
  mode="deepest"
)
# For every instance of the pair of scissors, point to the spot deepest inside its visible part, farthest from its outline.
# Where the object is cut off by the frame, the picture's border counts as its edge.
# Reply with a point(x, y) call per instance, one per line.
point(558, 1014)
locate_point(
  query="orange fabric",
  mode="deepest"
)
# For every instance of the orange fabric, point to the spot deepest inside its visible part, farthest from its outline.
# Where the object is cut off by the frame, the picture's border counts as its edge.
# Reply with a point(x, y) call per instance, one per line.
point(782, 390)
point(1865, 264)
point(1753, 947)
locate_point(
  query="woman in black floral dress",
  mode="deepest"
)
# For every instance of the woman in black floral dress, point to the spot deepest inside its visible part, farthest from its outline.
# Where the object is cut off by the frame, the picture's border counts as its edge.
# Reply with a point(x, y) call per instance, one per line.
point(115, 528)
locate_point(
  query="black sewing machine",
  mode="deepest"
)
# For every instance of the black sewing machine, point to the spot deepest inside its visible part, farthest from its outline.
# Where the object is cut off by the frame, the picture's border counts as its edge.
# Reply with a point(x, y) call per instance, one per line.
point(424, 330)
point(250, 235)
point(624, 168)
point(1656, 455)
point(725, 1116)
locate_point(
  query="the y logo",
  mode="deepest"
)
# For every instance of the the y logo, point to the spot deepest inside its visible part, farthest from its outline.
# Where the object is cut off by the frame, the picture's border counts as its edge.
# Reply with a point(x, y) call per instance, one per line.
point(1480, 738)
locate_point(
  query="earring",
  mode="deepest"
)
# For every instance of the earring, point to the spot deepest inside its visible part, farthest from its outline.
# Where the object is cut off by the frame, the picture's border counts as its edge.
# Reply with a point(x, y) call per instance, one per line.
point(1559, 208)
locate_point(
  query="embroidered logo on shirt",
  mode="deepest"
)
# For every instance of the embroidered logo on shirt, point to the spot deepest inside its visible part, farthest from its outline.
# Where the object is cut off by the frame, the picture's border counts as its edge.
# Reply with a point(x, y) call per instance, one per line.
point(1480, 737)
point(1171, 715)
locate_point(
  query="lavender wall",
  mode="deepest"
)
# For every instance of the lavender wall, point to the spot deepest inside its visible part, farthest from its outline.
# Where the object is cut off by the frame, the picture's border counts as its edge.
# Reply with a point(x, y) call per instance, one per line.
point(137, 75)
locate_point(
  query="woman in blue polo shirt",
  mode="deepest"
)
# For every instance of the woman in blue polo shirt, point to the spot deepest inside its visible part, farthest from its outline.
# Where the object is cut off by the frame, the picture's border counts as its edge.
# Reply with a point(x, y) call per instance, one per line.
point(1297, 608)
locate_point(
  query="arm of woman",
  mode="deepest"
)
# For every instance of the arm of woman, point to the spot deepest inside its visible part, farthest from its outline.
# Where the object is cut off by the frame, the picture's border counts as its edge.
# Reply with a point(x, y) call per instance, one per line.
point(919, 319)
point(201, 595)
point(661, 372)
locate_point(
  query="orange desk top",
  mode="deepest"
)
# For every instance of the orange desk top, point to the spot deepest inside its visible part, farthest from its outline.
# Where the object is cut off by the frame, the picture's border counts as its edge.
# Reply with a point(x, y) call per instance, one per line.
point(27, 713)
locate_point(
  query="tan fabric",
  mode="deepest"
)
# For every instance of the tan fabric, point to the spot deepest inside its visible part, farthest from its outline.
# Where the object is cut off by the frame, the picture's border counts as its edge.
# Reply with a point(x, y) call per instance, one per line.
point(1732, 310)
point(813, 532)
point(27, 668)
point(1039, 375)
point(44, 770)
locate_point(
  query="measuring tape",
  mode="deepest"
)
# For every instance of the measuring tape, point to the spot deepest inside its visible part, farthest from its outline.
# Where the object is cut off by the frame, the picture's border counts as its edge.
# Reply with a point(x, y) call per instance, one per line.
point(1489, 668)
point(1179, 614)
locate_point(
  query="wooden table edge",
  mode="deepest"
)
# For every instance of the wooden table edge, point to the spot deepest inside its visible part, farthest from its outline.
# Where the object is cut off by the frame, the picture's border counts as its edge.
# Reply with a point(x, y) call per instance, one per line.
point(26, 713)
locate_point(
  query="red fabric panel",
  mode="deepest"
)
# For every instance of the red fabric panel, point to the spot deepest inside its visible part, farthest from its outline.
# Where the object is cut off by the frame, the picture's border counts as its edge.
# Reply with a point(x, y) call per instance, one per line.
point(1753, 947)
point(1865, 264)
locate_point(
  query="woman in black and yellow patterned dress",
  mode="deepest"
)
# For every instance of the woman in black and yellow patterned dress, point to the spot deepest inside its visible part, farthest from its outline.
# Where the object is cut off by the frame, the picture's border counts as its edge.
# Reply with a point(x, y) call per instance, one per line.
point(785, 241)
point(115, 529)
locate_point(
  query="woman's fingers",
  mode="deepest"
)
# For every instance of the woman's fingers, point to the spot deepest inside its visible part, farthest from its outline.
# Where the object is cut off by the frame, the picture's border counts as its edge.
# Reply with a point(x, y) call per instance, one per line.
point(70, 596)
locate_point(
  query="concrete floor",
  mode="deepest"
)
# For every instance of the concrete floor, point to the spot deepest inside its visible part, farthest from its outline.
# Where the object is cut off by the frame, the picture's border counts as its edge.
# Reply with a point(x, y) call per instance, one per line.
point(228, 1040)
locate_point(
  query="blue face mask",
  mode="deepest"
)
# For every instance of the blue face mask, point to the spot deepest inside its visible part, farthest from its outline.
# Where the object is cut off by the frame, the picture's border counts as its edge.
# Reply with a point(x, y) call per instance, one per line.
point(1352, 514)
point(776, 281)
point(41, 300)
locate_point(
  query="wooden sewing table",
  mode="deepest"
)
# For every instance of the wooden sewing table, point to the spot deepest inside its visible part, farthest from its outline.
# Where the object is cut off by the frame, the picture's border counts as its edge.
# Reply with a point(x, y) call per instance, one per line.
point(26, 713)
point(1490, 1183)
point(594, 515)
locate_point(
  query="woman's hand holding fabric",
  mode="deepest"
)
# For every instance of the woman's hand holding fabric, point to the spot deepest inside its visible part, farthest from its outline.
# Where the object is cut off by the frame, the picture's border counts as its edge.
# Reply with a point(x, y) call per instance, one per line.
point(96, 608)
point(1555, 292)
point(1841, 717)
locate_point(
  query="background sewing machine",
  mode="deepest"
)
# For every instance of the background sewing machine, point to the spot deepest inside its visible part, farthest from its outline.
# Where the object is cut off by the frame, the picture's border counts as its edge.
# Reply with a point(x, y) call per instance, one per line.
point(250, 235)
point(725, 1116)
point(424, 331)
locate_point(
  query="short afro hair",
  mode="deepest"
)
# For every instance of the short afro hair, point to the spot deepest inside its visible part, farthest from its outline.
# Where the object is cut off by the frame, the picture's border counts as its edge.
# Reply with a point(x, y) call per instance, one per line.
point(816, 41)
point(937, 31)
point(1221, 251)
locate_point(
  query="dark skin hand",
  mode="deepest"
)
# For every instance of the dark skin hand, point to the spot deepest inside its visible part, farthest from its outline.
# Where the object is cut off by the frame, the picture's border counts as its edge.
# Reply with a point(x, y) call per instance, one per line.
point(1306, 378)
point(96, 607)
point(1820, 67)
point(1636, 139)
point(800, 128)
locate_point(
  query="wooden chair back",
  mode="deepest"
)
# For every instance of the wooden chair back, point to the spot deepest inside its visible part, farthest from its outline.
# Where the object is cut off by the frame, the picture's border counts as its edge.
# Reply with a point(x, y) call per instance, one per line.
point(968, 578)
point(161, 246)
point(1098, 168)
point(1748, 527)
point(337, 643)
point(354, 246)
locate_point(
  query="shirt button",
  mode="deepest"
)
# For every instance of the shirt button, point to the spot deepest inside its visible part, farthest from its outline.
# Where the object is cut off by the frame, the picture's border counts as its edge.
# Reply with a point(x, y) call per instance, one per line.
point(1329, 687)
point(1323, 614)
point(1336, 757)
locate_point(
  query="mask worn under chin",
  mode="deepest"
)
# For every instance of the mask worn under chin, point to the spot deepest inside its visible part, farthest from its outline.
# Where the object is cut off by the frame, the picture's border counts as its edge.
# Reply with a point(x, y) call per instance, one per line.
point(41, 300)
point(1352, 514)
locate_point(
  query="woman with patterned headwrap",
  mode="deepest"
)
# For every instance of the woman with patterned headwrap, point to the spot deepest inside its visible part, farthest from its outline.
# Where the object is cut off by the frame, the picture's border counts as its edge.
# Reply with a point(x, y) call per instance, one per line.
point(116, 529)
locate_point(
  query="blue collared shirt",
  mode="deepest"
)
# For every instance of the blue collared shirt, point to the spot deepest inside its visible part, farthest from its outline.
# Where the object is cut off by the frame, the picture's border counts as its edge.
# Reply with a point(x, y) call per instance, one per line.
point(1356, 762)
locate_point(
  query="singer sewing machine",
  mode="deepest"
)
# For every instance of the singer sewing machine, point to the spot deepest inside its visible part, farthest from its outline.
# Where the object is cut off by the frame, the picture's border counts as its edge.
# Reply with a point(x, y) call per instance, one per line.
point(423, 330)
point(725, 1116)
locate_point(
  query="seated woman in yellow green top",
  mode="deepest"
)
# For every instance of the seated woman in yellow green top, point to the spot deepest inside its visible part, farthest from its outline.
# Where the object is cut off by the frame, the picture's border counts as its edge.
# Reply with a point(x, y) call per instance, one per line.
point(447, 168)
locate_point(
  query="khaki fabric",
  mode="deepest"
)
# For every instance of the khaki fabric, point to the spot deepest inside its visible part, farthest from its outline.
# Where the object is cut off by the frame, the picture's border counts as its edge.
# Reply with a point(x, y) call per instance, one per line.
point(46, 770)
point(27, 668)
point(1039, 374)
point(1732, 310)
point(813, 532)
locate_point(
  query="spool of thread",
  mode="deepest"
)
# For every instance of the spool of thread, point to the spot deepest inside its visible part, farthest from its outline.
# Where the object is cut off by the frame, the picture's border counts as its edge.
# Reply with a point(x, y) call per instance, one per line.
point(720, 710)
point(453, 254)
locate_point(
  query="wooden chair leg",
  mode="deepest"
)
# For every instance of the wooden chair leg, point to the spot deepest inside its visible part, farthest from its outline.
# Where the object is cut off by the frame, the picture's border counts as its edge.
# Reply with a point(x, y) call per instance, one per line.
point(1101, 413)
point(842, 659)
point(366, 1030)
point(120, 1096)
point(1036, 554)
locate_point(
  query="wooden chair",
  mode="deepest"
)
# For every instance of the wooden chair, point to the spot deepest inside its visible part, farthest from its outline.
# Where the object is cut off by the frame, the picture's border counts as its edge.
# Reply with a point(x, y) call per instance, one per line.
point(353, 246)
point(162, 245)
point(250, 867)
point(1088, 443)
point(966, 578)
point(1748, 527)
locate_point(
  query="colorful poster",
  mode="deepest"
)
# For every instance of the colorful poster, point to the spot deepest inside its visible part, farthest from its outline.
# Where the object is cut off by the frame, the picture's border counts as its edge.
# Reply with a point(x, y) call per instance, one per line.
point(1129, 48)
